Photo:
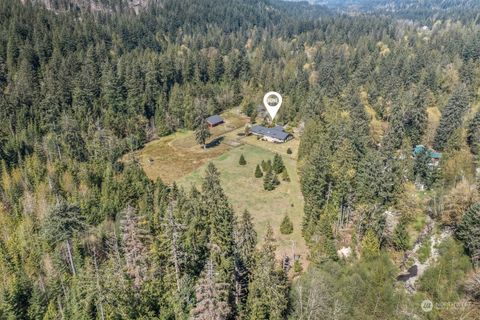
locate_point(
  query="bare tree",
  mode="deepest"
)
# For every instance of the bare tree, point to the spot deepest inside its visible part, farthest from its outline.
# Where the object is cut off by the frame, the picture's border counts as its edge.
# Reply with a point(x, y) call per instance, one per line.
point(135, 252)
point(210, 295)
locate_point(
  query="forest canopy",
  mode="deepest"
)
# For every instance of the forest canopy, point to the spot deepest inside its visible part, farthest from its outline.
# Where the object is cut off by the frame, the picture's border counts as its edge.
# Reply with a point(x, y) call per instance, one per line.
point(377, 98)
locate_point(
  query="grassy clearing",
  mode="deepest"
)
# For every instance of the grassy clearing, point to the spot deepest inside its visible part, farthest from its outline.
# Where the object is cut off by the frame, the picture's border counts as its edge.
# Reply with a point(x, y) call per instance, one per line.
point(246, 192)
point(280, 148)
point(179, 158)
point(172, 157)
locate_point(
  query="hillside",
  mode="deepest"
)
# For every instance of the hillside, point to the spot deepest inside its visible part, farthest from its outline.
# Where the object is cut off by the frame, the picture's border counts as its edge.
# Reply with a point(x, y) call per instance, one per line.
point(121, 198)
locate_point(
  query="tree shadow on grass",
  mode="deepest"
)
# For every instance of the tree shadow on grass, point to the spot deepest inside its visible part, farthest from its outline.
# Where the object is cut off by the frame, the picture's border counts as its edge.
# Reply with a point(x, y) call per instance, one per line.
point(215, 142)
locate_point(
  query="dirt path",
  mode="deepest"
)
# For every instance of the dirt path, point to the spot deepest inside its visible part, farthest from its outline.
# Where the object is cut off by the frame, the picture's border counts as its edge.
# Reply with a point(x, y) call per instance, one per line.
point(418, 268)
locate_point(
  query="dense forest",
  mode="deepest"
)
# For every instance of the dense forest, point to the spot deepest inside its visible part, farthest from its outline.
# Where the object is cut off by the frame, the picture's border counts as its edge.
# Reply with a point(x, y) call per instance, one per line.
point(86, 236)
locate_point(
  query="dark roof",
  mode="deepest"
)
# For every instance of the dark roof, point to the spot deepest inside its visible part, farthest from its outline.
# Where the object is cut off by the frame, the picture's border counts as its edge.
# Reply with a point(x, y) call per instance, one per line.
point(215, 119)
point(277, 132)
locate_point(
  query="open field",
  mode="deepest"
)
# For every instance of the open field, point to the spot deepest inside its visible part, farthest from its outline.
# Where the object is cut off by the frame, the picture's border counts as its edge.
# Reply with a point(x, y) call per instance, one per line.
point(172, 157)
point(179, 158)
point(280, 148)
point(246, 192)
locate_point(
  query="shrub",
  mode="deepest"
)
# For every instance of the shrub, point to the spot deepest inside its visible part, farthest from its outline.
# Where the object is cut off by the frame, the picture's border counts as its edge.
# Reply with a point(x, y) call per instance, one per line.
point(289, 151)
point(297, 266)
point(285, 176)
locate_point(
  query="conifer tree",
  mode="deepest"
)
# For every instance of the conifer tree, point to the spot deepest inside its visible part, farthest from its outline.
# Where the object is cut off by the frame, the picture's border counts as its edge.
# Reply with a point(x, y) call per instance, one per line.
point(246, 241)
point(324, 248)
point(452, 117)
point(286, 227)
point(258, 172)
point(264, 165)
point(473, 134)
point(268, 183)
point(222, 225)
point(370, 245)
point(133, 242)
point(277, 165)
point(416, 115)
point(400, 237)
point(468, 231)
point(211, 295)
point(242, 160)
point(268, 290)
point(202, 133)
point(62, 224)
point(315, 184)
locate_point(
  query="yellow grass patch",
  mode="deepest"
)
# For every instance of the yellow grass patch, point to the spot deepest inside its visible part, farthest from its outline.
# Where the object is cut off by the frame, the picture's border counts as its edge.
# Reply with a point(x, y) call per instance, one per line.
point(433, 122)
point(172, 157)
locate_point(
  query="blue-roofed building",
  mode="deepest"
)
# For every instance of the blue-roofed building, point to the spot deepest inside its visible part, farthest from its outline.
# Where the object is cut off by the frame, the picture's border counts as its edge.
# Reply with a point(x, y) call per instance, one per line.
point(214, 121)
point(434, 155)
point(276, 134)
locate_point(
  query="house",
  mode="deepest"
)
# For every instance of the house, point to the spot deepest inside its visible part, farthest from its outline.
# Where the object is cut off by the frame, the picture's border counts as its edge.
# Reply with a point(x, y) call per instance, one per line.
point(435, 156)
point(276, 134)
point(214, 121)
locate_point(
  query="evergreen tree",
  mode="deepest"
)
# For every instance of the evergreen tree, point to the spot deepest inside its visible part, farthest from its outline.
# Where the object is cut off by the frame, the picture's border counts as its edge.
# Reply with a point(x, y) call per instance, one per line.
point(277, 165)
point(315, 185)
point(264, 165)
point(473, 134)
point(468, 231)
point(370, 245)
point(202, 133)
point(62, 224)
point(222, 226)
point(246, 239)
point(452, 117)
point(258, 172)
point(416, 115)
point(401, 239)
point(268, 180)
point(268, 290)
point(323, 249)
point(421, 169)
point(133, 242)
point(286, 227)
point(211, 295)
point(242, 160)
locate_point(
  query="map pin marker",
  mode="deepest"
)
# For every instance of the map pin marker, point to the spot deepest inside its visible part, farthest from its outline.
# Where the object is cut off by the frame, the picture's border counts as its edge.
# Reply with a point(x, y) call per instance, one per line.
point(272, 101)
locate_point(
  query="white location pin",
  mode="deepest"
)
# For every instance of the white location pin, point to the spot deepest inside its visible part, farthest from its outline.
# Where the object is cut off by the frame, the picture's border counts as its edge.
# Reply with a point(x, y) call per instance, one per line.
point(272, 101)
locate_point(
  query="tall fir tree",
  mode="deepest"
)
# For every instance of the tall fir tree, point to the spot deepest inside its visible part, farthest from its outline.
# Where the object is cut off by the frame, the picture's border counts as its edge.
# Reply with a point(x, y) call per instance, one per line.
point(452, 117)
point(268, 290)
point(222, 227)
point(211, 295)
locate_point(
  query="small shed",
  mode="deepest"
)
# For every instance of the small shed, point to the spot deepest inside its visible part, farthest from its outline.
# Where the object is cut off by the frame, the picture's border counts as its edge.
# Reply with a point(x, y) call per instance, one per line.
point(214, 121)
